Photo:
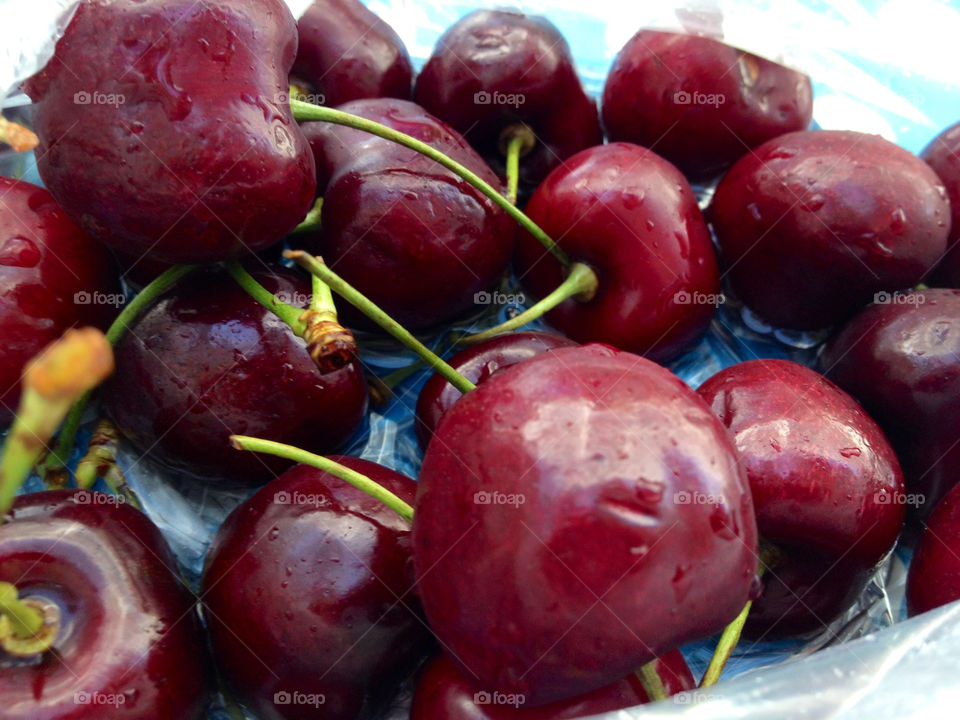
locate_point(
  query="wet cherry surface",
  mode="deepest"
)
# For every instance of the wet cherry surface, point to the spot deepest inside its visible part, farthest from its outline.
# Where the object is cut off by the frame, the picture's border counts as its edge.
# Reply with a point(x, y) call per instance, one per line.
point(934, 577)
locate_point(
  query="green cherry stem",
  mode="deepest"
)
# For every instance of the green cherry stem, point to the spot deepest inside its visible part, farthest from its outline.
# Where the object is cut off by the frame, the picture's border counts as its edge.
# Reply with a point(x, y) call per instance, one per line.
point(515, 141)
point(57, 460)
point(286, 312)
point(358, 480)
point(581, 283)
point(651, 682)
point(316, 266)
point(312, 220)
point(306, 112)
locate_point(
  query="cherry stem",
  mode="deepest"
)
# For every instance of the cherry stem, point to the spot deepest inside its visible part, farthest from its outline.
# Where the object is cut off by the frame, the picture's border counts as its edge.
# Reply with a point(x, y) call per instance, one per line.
point(513, 167)
point(581, 283)
point(288, 313)
point(25, 621)
point(18, 137)
point(60, 456)
point(312, 220)
point(306, 112)
point(316, 266)
point(651, 682)
point(358, 480)
point(52, 381)
point(101, 462)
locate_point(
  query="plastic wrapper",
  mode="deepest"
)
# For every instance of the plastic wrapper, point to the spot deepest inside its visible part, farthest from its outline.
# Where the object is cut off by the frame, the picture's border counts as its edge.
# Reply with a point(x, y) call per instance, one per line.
point(877, 66)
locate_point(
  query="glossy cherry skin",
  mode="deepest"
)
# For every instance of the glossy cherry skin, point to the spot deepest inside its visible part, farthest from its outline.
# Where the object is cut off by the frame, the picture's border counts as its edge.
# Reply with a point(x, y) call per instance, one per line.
point(813, 224)
point(207, 360)
point(443, 693)
point(827, 488)
point(130, 644)
point(539, 597)
point(698, 102)
point(900, 361)
point(165, 128)
point(307, 592)
point(490, 55)
point(346, 53)
point(477, 364)
point(943, 155)
point(52, 277)
point(633, 218)
point(407, 233)
point(934, 577)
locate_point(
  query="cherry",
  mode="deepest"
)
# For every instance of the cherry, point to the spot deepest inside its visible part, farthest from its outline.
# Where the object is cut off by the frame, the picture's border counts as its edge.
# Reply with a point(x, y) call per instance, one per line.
point(165, 129)
point(934, 577)
point(827, 489)
point(943, 155)
point(813, 224)
point(52, 277)
point(632, 217)
point(552, 497)
point(207, 360)
point(444, 694)
point(494, 71)
point(306, 590)
point(129, 642)
point(346, 53)
point(409, 234)
point(478, 364)
point(899, 359)
point(698, 102)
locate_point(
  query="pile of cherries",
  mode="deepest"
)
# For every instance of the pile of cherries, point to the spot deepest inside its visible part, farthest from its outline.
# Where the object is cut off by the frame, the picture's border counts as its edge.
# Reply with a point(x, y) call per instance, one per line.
point(580, 513)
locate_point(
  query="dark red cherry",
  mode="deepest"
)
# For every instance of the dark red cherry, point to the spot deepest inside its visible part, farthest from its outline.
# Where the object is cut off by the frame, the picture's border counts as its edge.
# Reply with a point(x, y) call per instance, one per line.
point(934, 577)
point(130, 643)
point(813, 224)
point(478, 363)
point(827, 489)
point(346, 53)
point(207, 361)
point(943, 155)
point(552, 497)
point(899, 359)
point(52, 277)
point(443, 693)
point(165, 128)
point(495, 69)
point(632, 217)
point(407, 233)
point(698, 102)
point(307, 595)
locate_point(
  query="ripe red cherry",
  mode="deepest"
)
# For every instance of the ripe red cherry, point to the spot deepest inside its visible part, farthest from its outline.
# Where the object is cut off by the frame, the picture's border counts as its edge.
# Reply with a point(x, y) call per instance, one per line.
point(934, 577)
point(493, 70)
point(699, 102)
point(130, 643)
point(478, 363)
point(165, 129)
point(943, 155)
point(552, 497)
point(899, 359)
point(410, 235)
point(307, 595)
point(52, 277)
point(827, 489)
point(443, 693)
point(813, 224)
point(346, 53)
point(207, 361)
point(632, 217)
